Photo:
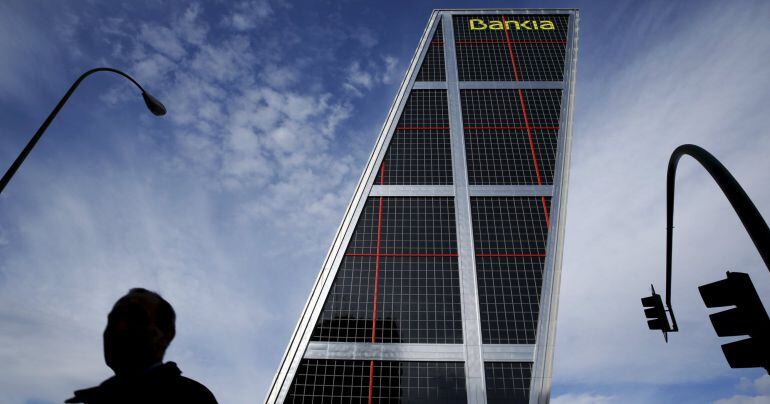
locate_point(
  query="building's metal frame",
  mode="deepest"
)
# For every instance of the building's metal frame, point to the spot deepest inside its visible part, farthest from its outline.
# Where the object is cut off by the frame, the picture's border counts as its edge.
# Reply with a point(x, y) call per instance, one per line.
point(472, 352)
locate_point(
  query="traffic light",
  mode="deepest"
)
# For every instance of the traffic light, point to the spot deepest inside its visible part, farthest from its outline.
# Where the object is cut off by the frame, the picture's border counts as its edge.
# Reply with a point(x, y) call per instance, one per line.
point(747, 318)
point(656, 314)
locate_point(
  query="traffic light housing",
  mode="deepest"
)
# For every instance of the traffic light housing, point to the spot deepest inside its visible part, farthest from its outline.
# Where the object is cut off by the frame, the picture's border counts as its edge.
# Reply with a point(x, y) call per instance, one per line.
point(656, 313)
point(748, 317)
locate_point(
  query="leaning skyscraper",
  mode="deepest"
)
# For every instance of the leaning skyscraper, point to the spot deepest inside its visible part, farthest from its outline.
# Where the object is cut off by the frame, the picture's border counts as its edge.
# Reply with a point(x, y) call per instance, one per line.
point(442, 282)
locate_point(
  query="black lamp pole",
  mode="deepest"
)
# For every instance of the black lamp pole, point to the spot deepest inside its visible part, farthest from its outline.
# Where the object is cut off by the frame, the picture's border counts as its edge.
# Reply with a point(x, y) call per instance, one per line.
point(155, 106)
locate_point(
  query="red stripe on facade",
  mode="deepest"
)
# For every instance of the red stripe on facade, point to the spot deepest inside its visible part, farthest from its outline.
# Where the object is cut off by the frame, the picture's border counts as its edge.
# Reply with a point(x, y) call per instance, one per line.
point(510, 255)
point(422, 128)
point(516, 41)
point(510, 50)
point(401, 254)
point(371, 380)
point(377, 272)
point(526, 123)
point(376, 293)
point(510, 127)
point(414, 128)
point(531, 141)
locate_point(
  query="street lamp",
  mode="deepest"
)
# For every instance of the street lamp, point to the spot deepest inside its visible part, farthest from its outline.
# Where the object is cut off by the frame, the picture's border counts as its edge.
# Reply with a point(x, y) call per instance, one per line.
point(155, 106)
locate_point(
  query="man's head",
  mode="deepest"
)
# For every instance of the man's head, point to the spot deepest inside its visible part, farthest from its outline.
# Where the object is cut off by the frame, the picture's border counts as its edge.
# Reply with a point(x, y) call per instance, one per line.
point(139, 329)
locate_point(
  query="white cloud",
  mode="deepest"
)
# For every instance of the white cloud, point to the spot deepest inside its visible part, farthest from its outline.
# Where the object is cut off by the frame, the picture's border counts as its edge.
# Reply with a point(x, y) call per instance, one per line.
point(759, 390)
point(359, 79)
point(744, 400)
point(164, 40)
point(220, 215)
point(248, 14)
point(584, 398)
point(279, 76)
point(391, 70)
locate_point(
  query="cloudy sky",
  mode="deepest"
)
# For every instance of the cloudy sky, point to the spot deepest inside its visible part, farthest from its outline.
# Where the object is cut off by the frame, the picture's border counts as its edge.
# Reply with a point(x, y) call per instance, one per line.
point(228, 204)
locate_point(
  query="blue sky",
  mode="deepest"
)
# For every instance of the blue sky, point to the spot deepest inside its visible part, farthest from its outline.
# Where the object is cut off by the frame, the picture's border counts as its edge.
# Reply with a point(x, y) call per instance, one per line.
point(228, 204)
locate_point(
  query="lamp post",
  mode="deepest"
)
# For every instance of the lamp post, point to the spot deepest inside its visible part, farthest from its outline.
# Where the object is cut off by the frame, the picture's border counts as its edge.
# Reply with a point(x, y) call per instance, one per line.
point(155, 106)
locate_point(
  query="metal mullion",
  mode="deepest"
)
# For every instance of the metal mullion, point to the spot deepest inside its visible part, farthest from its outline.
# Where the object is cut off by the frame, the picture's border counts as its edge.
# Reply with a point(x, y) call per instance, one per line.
point(385, 351)
point(511, 85)
point(474, 365)
point(412, 190)
point(511, 190)
point(509, 352)
point(429, 85)
point(540, 385)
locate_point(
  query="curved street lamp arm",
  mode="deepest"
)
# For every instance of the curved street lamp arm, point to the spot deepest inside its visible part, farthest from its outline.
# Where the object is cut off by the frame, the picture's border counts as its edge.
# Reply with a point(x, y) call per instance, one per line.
point(27, 149)
point(753, 222)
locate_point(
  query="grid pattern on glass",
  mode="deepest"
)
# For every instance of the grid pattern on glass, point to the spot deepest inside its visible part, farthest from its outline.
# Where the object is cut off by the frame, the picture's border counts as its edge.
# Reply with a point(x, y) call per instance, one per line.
point(491, 53)
point(347, 312)
point(510, 226)
point(351, 381)
point(417, 157)
point(510, 235)
point(509, 298)
point(419, 152)
point(419, 301)
point(425, 108)
point(507, 382)
point(432, 68)
point(511, 136)
point(398, 281)
point(418, 225)
point(405, 226)
point(503, 108)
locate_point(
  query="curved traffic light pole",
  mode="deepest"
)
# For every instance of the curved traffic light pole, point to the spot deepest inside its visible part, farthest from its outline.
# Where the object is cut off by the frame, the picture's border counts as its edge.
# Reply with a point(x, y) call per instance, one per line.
point(753, 222)
point(155, 106)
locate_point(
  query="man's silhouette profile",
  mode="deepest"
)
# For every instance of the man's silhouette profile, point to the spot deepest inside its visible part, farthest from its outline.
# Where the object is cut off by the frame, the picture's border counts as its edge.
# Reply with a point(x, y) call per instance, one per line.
point(139, 329)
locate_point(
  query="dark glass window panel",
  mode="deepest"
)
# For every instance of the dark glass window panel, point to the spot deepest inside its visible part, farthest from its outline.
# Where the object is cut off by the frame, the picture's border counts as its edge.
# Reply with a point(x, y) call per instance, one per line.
point(423, 225)
point(509, 298)
point(418, 295)
point(510, 225)
point(425, 108)
point(347, 312)
point(419, 300)
point(510, 235)
point(408, 225)
point(502, 108)
point(417, 157)
point(497, 157)
point(432, 68)
point(507, 382)
point(347, 381)
point(419, 152)
point(488, 55)
point(364, 238)
point(497, 138)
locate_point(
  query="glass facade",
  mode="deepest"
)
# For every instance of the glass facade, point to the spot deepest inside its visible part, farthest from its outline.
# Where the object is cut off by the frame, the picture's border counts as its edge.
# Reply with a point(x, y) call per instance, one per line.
point(442, 273)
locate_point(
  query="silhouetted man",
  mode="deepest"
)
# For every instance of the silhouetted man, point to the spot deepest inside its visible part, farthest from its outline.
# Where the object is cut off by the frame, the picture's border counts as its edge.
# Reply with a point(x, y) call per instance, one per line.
point(139, 329)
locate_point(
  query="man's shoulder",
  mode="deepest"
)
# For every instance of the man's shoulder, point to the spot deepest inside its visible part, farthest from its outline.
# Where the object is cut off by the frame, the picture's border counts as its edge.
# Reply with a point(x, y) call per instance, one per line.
point(193, 391)
point(183, 388)
point(163, 384)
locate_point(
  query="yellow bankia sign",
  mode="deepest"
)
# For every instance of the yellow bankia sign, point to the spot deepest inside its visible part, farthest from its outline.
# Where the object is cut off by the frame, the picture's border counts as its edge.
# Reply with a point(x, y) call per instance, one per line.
point(477, 24)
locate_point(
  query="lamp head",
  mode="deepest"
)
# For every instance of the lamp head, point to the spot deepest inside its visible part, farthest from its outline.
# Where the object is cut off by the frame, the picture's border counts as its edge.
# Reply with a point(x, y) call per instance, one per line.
point(155, 106)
